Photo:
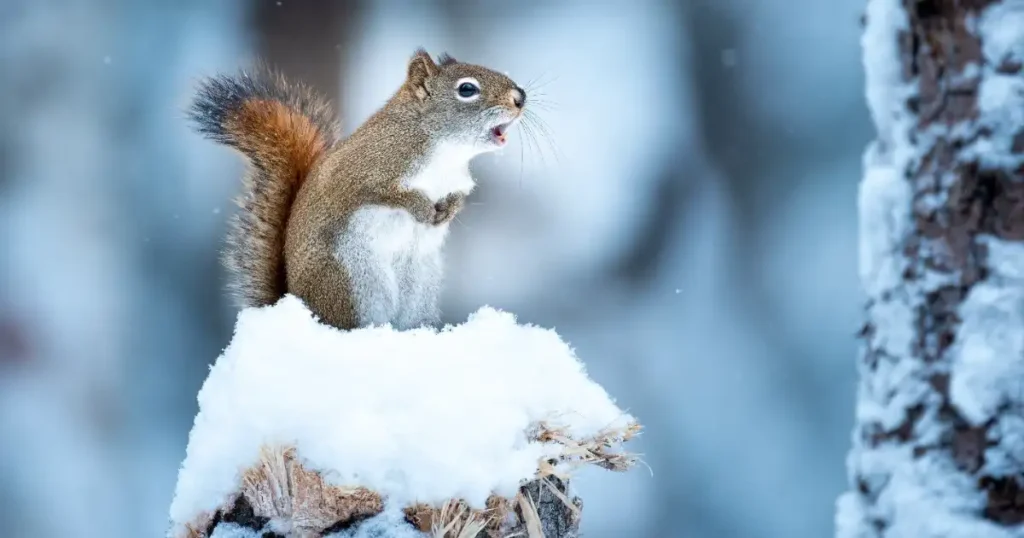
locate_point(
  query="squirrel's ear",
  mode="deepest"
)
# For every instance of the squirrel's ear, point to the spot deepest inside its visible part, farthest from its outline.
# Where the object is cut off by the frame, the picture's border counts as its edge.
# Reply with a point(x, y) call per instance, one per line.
point(446, 59)
point(421, 67)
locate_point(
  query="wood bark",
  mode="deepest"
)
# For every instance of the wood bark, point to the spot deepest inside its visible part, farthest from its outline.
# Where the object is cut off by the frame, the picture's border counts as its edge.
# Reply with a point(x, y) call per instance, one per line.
point(936, 452)
point(556, 519)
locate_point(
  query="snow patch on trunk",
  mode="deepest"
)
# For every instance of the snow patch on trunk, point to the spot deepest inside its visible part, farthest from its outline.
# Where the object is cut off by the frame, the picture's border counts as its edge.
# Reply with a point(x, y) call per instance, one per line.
point(886, 93)
point(988, 362)
point(1001, 92)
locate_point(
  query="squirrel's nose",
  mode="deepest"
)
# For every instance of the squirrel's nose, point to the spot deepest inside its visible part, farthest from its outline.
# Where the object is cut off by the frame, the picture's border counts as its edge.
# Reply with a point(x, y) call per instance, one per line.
point(518, 97)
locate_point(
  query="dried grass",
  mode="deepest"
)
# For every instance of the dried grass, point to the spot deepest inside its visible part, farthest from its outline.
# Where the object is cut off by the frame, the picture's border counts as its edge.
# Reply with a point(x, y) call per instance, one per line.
point(282, 489)
point(454, 518)
point(600, 450)
point(457, 520)
point(531, 520)
point(279, 487)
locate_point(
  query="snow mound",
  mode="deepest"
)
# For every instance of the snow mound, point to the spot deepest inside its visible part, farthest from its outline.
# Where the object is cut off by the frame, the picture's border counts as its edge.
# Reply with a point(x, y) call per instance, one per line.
point(418, 416)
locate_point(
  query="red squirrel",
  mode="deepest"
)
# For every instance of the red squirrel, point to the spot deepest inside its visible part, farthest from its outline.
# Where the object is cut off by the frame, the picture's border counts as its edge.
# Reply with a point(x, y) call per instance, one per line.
point(354, 227)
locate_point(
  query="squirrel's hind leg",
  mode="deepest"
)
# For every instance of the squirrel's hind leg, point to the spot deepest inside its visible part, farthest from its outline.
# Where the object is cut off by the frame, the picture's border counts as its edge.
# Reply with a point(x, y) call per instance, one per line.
point(324, 285)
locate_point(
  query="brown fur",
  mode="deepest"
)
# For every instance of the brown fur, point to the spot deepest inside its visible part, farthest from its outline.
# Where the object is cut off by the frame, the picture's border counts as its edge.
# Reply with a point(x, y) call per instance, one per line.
point(367, 169)
point(303, 186)
point(272, 129)
point(283, 128)
point(286, 144)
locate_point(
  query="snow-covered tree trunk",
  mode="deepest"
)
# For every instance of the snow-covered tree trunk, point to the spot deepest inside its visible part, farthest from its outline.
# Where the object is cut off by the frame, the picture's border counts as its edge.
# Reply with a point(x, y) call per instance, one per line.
point(938, 445)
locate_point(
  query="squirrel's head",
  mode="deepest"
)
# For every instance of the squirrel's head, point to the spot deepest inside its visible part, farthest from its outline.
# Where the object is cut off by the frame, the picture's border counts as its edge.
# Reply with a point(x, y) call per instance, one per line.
point(465, 103)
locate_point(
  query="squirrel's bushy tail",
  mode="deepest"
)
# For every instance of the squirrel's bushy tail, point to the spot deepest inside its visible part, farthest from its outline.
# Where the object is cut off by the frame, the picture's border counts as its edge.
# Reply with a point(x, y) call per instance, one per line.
point(283, 129)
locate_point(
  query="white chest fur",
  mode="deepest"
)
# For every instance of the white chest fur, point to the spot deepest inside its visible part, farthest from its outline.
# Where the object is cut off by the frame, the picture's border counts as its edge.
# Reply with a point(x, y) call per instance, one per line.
point(393, 234)
point(393, 262)
point(394, 267)
point(444, 171)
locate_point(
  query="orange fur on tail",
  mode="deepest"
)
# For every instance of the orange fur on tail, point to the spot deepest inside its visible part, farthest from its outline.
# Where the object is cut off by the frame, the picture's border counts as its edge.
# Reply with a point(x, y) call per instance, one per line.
point(283, 129)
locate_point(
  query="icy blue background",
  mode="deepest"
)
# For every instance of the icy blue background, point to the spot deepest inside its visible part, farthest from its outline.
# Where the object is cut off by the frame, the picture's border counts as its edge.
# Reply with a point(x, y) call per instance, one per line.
point(694, 237)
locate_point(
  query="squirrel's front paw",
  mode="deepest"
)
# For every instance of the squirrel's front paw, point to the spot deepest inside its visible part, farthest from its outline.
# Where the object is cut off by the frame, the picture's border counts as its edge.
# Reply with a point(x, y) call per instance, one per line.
point(449, 207)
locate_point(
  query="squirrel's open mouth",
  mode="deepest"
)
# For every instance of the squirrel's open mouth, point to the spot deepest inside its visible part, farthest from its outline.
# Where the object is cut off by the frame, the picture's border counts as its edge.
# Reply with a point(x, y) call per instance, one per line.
point(498, 133)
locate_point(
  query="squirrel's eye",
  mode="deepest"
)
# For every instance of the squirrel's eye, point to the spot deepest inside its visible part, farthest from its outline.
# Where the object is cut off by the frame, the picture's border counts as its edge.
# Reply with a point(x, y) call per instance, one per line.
point(467, 91)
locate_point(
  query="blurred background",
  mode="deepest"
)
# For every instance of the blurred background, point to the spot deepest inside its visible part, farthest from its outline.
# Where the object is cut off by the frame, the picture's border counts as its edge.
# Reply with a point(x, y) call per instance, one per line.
point(688, 223)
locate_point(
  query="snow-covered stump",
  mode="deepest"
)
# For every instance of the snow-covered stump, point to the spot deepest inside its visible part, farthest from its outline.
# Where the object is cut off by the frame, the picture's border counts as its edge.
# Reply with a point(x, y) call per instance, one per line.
point(474, 430)
point(938, 446)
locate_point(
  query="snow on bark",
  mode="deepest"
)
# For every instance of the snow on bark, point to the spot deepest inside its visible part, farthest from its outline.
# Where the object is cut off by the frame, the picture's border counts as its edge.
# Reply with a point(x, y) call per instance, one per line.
point(937, 445)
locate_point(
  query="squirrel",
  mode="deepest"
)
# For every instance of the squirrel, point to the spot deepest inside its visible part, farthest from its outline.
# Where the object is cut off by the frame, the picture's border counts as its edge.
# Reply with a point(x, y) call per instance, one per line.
point(353, 227)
